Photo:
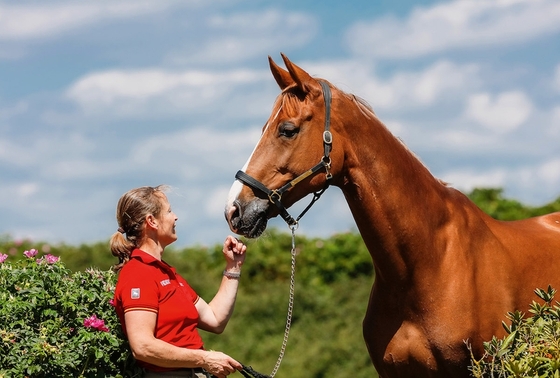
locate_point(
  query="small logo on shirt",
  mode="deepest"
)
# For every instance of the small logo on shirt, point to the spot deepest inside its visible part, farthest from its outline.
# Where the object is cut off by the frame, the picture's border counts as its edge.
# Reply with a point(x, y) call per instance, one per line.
point(165, 282)
point(135, 293)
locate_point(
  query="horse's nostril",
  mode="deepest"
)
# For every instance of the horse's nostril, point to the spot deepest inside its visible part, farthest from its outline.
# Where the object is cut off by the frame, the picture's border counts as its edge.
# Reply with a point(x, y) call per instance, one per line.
point(233, 214)
point(236, 210)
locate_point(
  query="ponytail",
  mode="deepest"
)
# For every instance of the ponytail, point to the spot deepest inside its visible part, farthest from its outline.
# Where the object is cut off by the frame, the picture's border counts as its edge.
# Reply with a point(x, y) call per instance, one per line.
point(121, 248)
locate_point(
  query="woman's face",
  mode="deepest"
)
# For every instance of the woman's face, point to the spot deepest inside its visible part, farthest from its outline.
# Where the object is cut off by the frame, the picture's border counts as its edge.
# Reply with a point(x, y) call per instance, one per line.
point(167, 219)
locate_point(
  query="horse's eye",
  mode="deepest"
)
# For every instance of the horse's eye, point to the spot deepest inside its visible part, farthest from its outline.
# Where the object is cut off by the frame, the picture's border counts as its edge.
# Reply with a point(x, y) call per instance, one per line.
point(288, 130)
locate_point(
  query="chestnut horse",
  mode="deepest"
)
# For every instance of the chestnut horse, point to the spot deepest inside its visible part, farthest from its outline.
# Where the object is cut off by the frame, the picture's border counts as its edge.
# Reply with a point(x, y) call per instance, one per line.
point(446, 274)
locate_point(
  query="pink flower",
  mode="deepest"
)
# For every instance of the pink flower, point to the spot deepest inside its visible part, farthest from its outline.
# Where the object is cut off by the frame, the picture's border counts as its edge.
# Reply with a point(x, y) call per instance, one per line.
point(3, 257)
point(30, 253)
point(51, 259)
point(112, 302)
point(96, 323)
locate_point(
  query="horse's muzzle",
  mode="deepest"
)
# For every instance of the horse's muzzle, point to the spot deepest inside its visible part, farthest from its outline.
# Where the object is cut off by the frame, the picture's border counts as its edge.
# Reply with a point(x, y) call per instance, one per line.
point(249, 219)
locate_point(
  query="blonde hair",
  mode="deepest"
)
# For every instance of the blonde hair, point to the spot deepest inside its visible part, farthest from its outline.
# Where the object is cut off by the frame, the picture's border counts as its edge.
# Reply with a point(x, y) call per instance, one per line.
point(132, 209)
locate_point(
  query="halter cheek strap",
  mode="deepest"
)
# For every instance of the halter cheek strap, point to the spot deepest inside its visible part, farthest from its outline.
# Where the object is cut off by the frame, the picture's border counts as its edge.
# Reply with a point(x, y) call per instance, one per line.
point(275, 195)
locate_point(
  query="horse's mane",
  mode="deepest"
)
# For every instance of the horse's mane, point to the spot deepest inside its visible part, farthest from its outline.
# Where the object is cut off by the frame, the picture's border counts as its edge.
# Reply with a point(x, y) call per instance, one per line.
point(362, 105)
point(291, 98)
point(368, 112)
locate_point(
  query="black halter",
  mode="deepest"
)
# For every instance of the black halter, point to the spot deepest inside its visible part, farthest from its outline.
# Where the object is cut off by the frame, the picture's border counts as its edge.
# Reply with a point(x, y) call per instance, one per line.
point(275, 196)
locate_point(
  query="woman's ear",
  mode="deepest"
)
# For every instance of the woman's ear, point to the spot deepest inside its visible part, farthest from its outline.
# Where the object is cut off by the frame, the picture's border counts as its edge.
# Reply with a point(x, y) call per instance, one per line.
point(151, 221)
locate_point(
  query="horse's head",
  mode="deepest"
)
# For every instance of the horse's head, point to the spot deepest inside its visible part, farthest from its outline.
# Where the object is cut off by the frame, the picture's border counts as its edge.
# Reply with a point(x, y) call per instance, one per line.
point(293, 157)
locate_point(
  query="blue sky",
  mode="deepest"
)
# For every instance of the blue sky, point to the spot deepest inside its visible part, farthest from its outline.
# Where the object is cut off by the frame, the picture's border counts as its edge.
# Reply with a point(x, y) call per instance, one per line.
point(99, 97)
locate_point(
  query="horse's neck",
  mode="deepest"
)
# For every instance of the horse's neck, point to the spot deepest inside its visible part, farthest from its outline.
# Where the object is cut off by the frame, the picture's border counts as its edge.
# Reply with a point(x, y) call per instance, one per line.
point(394, 199)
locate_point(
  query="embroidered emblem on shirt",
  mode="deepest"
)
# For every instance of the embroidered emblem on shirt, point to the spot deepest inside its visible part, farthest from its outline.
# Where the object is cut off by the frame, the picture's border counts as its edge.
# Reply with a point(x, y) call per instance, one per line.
point(135, 293)
point(165, 282)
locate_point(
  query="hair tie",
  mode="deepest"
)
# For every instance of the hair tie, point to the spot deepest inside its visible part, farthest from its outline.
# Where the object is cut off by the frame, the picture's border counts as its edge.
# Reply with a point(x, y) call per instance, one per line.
point(121, 230)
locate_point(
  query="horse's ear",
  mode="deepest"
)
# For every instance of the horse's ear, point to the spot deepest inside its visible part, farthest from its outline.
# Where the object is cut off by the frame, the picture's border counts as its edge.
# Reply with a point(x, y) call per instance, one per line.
point(302, 78)
point(282, 76)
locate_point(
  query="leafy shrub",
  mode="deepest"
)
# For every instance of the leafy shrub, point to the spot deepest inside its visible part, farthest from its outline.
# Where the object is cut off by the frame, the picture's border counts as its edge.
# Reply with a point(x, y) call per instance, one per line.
point(493, 203)
point(56, 323)
point(531, 347)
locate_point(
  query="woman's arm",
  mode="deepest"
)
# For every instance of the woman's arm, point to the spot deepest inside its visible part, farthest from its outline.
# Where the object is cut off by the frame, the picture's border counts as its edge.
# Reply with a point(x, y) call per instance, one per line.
point(140, 327)
point(214, 316)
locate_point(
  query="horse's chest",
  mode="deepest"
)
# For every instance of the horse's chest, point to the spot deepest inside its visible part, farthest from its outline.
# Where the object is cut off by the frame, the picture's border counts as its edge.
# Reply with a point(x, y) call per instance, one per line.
point(409, 344)
point(410, 352)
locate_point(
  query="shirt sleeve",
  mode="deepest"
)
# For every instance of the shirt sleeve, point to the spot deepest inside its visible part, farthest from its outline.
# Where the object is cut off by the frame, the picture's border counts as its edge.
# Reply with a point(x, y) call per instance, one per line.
point(138, 292)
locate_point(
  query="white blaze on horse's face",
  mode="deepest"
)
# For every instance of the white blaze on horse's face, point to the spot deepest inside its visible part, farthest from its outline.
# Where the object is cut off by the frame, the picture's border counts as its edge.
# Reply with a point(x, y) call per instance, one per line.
point(237, 185)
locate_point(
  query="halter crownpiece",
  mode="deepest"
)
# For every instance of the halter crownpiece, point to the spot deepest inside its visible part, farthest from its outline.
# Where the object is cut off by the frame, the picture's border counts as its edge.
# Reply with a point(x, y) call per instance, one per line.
point(275, 195)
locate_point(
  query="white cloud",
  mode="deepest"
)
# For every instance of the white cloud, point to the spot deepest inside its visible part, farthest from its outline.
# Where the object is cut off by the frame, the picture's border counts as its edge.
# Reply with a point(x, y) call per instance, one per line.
point(18, 193)
point(456, 24)
point(403, 89)
point(440, 78)
point(244, 35)
point(540, 181)
point(525, 183)
point(462, 140)
point(211, 150)
point(467, 179)
point(27, 189)
point(39, 21)
point(504, 113)
point(215, 202)
point(130, 90)
point(549, 171)
point(53, 156)
point(268, 23)
point(74, 169)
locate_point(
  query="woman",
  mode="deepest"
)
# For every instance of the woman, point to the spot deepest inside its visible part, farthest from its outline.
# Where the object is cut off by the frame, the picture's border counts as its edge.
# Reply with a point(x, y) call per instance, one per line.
point(158, 310)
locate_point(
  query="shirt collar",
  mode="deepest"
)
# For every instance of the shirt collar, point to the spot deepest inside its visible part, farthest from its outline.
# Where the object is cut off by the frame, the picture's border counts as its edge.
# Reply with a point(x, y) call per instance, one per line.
point(146, 258)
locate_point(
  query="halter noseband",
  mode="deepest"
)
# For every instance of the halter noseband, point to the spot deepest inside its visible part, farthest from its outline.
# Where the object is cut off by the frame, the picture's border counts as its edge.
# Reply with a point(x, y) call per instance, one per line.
point(275, 195)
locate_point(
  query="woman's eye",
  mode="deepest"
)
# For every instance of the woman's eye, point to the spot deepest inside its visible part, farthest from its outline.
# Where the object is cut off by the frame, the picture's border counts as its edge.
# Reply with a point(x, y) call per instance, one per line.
point(288, 130)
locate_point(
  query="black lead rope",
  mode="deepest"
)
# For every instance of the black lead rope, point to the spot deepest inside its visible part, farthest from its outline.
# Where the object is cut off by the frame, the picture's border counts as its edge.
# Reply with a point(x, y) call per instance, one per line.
point(249, 372)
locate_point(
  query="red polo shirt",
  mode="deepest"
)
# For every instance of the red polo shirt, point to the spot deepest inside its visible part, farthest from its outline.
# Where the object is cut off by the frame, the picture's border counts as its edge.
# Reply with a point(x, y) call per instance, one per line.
point(148, 284)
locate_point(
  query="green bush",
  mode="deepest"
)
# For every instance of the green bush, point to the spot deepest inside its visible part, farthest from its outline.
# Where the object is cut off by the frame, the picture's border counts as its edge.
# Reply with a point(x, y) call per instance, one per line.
point(56, 323)
point(493, 203)
point(531, 347)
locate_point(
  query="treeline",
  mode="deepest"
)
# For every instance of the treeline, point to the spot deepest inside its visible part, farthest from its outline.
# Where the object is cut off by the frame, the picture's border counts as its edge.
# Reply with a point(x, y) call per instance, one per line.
point(333, 280)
